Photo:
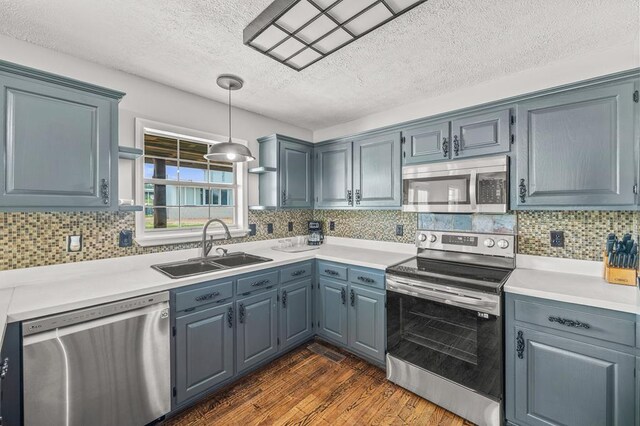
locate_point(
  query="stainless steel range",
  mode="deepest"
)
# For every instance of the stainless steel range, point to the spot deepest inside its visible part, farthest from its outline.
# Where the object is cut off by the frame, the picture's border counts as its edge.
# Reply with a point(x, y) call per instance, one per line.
point(444, 322)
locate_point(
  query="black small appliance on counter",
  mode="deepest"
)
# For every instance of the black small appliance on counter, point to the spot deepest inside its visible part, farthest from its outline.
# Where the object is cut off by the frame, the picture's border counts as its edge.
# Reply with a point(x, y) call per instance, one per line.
point(316, 236)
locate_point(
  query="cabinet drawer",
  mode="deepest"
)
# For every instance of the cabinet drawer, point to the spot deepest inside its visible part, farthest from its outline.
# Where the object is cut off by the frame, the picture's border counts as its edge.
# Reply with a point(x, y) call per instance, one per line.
point(338, 272)
point(203, 295)
point(256, 282)
point(366, 277)
point(295, 272)
point(591, 325)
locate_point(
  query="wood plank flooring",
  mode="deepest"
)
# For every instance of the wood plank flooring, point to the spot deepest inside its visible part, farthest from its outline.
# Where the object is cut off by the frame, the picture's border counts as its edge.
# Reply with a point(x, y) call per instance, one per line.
point(304, 388)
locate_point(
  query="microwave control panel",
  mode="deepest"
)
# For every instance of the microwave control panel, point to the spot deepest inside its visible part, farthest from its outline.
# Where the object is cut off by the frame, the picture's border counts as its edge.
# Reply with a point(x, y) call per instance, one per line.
point(492, 191)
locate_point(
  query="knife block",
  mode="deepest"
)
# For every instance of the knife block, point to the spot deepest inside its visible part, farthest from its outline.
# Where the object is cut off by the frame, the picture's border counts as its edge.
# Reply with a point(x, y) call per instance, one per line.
point(624, 276)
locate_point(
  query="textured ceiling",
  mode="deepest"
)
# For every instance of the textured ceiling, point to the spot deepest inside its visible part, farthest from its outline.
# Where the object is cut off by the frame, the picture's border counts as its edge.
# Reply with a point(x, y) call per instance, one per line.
point(438, 47)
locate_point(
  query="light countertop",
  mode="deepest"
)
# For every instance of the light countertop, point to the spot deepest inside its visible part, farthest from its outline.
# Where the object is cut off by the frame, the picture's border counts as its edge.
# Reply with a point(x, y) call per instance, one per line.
point(571, 281)
point(35, 292)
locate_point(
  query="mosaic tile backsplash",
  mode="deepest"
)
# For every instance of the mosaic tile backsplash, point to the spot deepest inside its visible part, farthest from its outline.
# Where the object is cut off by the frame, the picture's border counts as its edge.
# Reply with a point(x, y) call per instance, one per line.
point(36, 239)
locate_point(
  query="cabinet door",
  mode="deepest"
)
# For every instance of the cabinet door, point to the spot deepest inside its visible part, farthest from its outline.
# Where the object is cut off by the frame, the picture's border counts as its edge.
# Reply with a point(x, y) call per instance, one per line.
point(295, 175)
point(57, 147)
point(560, 381)
point(480, 134)
point(366, 321)
point(577, 149)
point(333, 310)
point(427, 143)
point(377, 171)
point(204, 350)
point(334, 175)
point(295, 313)
point(257, 337)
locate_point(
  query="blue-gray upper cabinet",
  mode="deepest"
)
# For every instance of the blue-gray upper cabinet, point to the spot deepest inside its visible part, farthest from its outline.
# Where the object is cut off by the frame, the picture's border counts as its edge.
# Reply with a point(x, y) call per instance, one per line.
point(59, 142)
point(295, 313)
point(426, 143)
point(575, 150)
point(203, 350)
point(480, 134)
point(296, 189)
point(377, 171)
point(366, 321)
point(561, 381)
point(257, 328)
point(333, 313)
point(334, 175)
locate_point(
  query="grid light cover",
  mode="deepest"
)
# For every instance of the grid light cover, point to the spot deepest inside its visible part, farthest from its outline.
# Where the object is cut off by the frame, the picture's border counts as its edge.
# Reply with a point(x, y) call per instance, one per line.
point(299, 33)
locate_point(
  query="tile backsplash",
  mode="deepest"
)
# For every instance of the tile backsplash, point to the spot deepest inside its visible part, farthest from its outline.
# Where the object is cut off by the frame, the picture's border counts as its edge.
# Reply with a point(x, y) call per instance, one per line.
point(36, 239)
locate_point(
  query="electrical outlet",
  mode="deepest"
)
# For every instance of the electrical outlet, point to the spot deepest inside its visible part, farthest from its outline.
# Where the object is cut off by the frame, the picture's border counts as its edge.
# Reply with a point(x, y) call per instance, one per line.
point(252, 229)
point(74, 243)
point(557, 239)
point(290, 226)
point(332, 226)
point(269, 228)
point(399, 230)
point(125, 238)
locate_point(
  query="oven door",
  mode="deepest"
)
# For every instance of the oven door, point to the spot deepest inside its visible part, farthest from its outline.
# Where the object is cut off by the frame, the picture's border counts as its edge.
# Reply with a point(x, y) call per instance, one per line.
point(441, 332)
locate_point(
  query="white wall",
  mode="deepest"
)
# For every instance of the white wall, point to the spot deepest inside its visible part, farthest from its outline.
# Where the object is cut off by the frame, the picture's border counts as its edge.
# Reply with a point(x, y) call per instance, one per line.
point(154, 101)
point(570, 70)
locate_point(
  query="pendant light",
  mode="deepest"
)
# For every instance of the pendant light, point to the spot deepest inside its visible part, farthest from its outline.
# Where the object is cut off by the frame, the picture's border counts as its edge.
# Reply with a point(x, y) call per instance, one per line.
point(229, 151)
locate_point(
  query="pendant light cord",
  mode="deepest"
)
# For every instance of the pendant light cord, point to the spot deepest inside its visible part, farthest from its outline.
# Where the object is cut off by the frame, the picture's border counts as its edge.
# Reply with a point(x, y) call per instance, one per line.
point(229, 112)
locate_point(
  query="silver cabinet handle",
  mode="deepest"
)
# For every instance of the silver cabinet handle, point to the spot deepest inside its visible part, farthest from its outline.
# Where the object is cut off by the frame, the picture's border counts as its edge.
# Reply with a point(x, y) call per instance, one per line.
point(4, 369)
point(104, 191)
point(207, 296)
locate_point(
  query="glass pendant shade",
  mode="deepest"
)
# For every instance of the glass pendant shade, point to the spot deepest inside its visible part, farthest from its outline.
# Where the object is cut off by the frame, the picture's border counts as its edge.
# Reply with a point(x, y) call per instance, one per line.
point(229, 151)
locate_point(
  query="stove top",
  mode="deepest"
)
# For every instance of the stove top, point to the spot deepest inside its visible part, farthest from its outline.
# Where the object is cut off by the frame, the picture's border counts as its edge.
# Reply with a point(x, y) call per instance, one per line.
point(487, 279)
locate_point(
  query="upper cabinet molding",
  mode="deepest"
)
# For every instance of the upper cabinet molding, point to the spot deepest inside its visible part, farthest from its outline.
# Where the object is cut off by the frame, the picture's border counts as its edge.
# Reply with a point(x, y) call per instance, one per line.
point(32, 73)
point(506, 103)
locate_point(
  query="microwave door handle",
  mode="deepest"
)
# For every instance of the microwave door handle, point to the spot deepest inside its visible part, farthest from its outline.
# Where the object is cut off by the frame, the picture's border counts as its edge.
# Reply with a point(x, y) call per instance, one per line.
point(473, 190)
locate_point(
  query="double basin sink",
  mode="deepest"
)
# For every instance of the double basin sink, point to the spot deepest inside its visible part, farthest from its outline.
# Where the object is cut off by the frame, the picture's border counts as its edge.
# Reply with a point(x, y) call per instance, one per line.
point(187, 268)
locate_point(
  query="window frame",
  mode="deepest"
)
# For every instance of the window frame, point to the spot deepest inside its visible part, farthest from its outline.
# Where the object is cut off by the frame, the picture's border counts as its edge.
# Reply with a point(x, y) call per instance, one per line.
point(155, 237)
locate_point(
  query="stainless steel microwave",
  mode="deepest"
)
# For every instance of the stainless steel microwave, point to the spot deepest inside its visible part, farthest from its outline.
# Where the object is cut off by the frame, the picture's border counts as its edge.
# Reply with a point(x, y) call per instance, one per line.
point(463, 186)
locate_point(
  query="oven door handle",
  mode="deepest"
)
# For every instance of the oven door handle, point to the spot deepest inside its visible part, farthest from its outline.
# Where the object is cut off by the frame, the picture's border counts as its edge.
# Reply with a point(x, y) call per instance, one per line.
point(465, 302)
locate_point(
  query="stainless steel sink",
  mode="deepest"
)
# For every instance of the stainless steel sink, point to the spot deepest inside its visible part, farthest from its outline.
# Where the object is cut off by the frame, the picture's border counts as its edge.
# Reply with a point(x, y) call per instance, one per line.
point(187, 268)
point(234, 260)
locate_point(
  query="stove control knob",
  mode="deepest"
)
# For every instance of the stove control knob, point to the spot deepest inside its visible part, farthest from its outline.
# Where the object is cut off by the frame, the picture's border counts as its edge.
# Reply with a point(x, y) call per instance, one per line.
point(503, 244)
point(422, 237)
point(432, 238)
point(489, 242)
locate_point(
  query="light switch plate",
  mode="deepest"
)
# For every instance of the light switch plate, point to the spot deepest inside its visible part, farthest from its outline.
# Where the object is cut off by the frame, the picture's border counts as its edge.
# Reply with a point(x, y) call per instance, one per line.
point(269, 228)
point(332, 226)
point(399, 230)
point(125, 238)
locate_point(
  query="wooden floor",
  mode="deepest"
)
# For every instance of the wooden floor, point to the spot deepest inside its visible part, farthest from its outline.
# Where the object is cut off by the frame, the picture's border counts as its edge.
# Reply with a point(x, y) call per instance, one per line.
point(304, 388)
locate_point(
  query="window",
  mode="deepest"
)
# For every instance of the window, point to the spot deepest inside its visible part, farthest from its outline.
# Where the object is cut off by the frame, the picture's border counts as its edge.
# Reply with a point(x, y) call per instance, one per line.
point(181, 190)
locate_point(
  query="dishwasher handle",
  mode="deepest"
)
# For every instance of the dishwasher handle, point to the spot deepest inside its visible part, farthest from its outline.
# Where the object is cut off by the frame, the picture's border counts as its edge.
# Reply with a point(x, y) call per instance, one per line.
point(94, 313)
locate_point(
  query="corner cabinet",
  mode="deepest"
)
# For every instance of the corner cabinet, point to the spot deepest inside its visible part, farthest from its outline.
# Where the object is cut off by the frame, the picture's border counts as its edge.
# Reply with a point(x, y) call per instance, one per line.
point(363, 173)
point(569, 365)
point(285, 173)
point(60, 143)
point(577, 149)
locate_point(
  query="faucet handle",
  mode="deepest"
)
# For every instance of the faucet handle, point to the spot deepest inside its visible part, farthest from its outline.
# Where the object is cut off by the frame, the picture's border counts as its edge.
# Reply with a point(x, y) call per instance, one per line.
point(224, 251)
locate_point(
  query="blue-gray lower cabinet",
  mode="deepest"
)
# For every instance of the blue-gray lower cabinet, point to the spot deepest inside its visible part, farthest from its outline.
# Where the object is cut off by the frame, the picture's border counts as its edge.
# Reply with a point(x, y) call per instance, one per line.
point(569, 364)
point(203, 351)
point(257, 328)
point(333, 311)
point(565, 382)
point(366, 321)
point(295, 313)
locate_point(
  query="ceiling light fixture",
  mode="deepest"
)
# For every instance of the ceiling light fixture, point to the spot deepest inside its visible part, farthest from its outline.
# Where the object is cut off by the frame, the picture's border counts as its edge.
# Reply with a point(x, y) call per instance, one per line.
point(229, 151)
point(299, 33)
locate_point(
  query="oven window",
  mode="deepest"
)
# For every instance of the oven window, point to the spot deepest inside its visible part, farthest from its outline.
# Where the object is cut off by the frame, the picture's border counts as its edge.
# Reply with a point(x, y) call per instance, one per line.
point(455, 343)
point(438, 190)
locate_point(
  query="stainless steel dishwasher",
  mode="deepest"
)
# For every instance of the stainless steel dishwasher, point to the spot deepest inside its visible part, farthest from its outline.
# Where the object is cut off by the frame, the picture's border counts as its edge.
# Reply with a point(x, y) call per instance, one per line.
point(103, 365)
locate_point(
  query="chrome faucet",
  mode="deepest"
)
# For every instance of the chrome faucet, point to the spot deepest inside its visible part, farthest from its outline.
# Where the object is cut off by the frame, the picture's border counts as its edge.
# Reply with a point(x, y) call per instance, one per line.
point(208, 245)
